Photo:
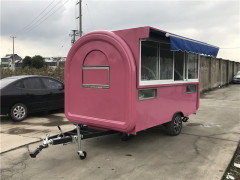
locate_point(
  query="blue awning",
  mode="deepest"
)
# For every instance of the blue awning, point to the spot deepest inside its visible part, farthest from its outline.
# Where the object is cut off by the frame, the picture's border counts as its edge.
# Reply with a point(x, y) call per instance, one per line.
point(190, 45)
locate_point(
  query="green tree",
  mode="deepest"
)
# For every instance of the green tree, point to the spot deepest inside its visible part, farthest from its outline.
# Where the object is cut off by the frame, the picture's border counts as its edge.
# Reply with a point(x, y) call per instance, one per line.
point(38, 62)
point(27, 61)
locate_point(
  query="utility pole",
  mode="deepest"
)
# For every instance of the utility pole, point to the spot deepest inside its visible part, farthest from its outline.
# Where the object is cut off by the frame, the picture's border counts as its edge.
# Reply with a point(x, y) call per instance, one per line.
point(80, 17)
point(73, 35)
point(13, 59)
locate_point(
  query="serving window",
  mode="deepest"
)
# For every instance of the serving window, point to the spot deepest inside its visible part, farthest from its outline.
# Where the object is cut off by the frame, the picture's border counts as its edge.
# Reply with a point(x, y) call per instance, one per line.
point(150, 62)
point(179, 66)
point(166, 62)
point(160, 65)
point(192, 66)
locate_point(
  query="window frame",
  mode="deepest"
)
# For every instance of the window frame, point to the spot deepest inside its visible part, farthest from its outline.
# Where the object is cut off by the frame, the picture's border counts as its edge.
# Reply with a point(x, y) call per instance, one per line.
point(153, 97)
point(159, 58)
point(168, 81)
point(97, 86)
point(158, 61)
point(198, 70)
point(184, 68)
point(190, 92)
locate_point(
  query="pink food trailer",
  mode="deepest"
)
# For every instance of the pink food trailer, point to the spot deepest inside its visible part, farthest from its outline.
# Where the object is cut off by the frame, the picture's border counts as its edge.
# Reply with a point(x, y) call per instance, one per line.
point(131, 80)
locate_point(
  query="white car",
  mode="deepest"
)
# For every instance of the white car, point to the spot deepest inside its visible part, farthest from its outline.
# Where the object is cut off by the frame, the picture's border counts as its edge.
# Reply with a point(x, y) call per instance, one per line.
point(236, 78)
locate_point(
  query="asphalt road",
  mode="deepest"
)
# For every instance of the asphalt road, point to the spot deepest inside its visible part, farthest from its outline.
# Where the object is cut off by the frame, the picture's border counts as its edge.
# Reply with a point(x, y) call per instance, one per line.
point(202, 151)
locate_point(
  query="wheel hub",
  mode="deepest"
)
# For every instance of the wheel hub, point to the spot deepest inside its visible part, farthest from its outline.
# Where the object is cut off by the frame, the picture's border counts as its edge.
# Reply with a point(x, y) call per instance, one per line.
point(177, 124)
point(19, 112)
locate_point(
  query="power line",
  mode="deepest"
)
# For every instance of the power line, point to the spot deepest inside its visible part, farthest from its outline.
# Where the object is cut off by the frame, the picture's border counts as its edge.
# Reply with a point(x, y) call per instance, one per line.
point(27, 26)
point(64, 42)
point(48, 16)
point(31, 23)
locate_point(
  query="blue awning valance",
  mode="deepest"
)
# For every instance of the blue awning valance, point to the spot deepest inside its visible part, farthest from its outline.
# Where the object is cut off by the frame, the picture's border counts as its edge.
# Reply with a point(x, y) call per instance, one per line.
point(189, 45)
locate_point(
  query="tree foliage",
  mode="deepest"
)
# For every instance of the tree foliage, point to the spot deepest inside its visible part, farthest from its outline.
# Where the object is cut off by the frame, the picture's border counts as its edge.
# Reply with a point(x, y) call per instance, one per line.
point(27, 62)
point(37, 62)
point(34, 62)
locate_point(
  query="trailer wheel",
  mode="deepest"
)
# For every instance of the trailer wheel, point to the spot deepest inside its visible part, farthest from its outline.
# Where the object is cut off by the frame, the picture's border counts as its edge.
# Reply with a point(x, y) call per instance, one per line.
point(83, 155)
point(174, 127)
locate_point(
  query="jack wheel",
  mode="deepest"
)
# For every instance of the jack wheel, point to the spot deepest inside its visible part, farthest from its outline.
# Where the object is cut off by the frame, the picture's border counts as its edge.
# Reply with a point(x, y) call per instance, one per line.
point(125, 137)
point(83, 155)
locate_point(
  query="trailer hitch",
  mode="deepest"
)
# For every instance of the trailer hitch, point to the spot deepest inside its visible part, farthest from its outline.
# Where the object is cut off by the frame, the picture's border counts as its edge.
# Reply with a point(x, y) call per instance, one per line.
point(35, 153)
point(60, 139)
point(74, 136)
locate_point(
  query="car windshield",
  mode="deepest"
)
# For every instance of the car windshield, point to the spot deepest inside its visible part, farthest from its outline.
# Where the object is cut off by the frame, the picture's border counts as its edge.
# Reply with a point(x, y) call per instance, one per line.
point(238, 73)
point(6, 81)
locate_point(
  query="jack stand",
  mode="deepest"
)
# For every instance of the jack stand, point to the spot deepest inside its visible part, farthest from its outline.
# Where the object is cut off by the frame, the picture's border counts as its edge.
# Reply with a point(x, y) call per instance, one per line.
point(82, 154)
point(61, 133)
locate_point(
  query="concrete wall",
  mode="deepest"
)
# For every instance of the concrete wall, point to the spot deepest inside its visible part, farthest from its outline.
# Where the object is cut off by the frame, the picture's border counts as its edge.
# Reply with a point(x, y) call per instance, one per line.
point(215, 72)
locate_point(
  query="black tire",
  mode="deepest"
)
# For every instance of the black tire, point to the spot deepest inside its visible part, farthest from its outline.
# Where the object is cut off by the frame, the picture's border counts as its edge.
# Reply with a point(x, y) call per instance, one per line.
point(84, 155)
point(174, 127)
point(18, 112)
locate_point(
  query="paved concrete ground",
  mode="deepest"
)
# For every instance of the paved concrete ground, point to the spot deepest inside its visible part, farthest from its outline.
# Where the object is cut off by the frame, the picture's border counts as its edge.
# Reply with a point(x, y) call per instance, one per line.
point(202, 151)
point(31, 130)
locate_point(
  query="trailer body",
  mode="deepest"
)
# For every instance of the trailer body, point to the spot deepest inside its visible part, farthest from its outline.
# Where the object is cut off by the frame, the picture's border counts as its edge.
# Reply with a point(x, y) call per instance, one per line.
point(130, 80)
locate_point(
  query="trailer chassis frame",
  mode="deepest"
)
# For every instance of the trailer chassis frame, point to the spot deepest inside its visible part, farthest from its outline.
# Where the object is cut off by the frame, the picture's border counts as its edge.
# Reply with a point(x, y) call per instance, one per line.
point(76, 135)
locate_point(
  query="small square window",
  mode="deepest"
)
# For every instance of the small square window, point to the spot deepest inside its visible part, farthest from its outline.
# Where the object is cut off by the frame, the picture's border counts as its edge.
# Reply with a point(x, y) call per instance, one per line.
point(191, 88)
point(144, 94)
point(95, 77)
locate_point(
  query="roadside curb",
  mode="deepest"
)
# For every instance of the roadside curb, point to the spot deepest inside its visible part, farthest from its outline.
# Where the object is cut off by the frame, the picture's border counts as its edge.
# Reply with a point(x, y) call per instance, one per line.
point(18, 147)
point(231, 162)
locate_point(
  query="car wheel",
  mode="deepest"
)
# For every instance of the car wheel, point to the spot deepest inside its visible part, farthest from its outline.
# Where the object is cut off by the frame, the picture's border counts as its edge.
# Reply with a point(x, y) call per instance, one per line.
point(174, 127)
point(18, 112)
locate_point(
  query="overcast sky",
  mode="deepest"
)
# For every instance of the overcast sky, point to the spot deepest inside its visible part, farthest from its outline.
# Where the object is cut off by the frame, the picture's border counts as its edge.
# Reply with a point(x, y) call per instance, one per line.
point(43, 27)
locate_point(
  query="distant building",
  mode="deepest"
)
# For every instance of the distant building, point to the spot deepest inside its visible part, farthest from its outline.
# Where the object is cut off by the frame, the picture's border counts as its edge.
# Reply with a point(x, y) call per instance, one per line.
point(6, 61)
point(54, 62)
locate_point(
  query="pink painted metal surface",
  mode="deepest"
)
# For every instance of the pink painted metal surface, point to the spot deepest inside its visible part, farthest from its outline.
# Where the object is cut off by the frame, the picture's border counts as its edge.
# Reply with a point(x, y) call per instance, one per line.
point(170, 99)
point(95, 76)
point(117, 107)
point(112, 108)
point(96, 58)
